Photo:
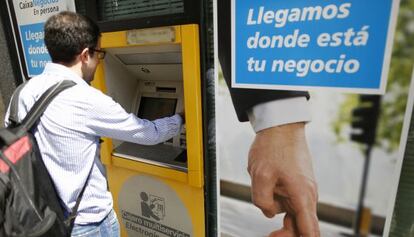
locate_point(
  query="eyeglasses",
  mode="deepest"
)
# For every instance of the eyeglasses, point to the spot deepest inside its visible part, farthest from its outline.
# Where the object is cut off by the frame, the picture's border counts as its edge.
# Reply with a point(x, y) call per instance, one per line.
point(101, 53)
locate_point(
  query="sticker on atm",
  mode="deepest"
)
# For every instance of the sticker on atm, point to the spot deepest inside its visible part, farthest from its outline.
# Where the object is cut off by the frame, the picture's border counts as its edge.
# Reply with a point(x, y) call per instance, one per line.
point(151, 209)
point(152, 35)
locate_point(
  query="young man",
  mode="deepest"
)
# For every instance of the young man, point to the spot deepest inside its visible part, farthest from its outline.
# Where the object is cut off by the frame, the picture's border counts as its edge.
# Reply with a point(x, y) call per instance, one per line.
point(69, 130)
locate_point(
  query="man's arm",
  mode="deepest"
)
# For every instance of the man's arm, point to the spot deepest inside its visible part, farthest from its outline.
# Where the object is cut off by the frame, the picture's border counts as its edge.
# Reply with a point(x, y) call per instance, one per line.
point(280, 165)
point(280, 146)
point(106, 118)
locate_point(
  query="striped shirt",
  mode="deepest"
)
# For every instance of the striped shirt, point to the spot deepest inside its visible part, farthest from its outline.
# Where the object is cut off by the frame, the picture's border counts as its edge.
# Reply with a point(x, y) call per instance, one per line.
point(68, 137)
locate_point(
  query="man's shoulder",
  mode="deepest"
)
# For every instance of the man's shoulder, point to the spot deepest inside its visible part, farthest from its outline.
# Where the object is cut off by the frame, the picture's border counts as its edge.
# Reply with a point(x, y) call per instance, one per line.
point(32, 89)
point(92, 93)
point(89, 96)
point(82, 93)
point(36, 86)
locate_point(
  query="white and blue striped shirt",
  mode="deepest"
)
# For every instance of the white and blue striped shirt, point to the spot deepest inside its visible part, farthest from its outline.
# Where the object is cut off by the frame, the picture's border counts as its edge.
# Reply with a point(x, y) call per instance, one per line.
point(68, 137)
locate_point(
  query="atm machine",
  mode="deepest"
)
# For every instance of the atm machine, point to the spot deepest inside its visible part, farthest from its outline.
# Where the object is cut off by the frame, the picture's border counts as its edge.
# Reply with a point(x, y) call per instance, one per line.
point(155, 72)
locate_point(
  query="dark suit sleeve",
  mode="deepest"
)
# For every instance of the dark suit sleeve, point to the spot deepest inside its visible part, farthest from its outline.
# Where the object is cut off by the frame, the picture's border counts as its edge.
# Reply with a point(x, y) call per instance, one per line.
point(243, 99)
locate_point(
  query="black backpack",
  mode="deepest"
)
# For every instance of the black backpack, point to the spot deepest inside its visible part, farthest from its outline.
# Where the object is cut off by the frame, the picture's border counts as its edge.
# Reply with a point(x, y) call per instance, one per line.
point(29, 204)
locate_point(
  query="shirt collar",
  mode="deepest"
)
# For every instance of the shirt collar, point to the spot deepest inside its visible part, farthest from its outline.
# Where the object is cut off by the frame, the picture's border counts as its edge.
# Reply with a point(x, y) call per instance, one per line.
point(63, 71)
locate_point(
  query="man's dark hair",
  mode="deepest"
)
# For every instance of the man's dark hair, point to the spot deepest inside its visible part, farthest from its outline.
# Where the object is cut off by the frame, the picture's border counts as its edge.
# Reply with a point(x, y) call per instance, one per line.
point(67, 34)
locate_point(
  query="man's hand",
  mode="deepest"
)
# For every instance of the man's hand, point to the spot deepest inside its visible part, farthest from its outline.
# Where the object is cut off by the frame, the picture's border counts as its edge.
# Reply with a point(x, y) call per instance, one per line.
point(280, 167)
point(182, 115)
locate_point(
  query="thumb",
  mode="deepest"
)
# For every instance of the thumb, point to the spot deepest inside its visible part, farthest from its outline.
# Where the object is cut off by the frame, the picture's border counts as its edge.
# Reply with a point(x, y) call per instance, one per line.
point(288, 229)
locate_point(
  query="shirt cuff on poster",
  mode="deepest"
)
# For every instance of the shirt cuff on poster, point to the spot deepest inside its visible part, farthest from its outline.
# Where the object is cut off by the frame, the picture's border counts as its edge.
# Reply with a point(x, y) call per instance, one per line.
point(279, 112)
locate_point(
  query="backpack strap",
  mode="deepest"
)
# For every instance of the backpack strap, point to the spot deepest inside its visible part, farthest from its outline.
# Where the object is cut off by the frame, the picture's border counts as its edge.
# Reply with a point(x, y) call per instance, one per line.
point(41, 104)
point(14, 106)
point(5, 135)
point(35, 112)
point(70, 220)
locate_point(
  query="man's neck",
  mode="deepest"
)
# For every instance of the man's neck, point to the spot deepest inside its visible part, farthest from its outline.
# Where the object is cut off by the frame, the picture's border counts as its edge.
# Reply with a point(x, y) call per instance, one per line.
point(75, 67)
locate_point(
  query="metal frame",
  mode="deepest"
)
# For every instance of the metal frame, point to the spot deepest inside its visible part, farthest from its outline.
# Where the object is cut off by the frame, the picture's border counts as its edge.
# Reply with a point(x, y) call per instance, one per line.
point(208, 111)
point(191, 8)
point(15, 37)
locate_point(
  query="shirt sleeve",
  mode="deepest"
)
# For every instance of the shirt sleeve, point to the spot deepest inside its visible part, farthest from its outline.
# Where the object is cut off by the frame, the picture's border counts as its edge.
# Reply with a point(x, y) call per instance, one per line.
point(108, 119)
point(279, 112)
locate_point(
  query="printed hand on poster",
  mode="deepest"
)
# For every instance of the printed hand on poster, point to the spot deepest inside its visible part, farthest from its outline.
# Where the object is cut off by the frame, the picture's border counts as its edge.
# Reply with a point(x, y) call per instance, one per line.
point(279, 160)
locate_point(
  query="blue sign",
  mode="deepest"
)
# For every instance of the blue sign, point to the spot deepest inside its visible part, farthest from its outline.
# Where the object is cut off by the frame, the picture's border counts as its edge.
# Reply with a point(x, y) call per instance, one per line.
point(30, 19)
point(296, 44)
point(34, 48)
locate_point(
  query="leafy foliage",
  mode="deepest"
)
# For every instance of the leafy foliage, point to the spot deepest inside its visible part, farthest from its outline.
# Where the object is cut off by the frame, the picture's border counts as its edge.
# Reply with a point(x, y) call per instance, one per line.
point(395, 99)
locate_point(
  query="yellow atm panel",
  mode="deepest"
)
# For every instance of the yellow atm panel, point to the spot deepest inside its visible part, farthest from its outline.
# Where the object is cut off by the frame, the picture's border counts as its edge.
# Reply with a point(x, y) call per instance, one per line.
point(155, 72)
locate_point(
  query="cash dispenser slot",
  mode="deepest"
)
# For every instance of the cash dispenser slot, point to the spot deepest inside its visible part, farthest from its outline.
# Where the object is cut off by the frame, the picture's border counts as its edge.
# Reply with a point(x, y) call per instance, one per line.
point(166, 89)
point(160, 155)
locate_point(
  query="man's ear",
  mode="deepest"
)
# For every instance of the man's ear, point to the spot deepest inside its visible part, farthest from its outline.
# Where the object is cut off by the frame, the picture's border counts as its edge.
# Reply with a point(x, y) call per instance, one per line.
point(84, 55)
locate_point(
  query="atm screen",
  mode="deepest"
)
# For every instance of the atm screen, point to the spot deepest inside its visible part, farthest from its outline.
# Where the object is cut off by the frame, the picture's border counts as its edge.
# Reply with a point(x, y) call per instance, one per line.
point(152, 108)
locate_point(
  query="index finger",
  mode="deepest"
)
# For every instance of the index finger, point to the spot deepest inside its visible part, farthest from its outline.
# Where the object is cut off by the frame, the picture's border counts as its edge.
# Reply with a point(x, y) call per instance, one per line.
point(303, 200)
point(307, 224)
point(262, 194)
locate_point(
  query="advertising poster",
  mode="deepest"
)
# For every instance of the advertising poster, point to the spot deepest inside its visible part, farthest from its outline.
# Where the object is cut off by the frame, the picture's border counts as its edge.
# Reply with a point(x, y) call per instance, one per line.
point(30, 17)
point(345, 45)
point(353, 136)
